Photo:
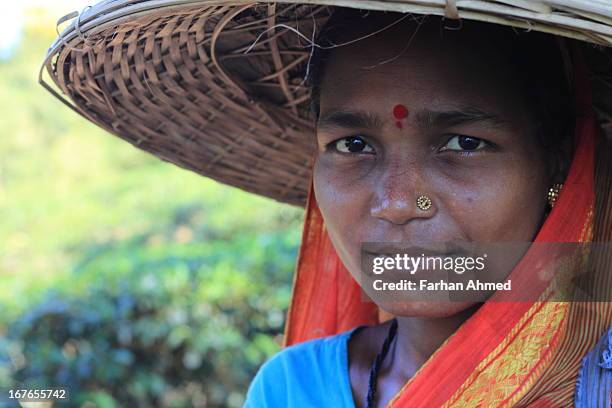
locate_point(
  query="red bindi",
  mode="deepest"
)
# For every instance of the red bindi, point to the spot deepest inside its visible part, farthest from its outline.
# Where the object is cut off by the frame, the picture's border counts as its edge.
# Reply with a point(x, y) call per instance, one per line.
point(399, 112)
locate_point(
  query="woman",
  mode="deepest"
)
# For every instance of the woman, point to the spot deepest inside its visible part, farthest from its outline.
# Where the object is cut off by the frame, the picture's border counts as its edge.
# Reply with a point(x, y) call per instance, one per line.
point(423, 136)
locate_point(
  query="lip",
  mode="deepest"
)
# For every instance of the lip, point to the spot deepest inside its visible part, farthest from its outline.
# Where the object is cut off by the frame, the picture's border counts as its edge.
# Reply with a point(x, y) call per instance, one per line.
point(386, 249)
point(412, 254)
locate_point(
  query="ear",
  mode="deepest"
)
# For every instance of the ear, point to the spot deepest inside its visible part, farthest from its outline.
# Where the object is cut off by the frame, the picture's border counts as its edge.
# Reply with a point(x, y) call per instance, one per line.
point(561, 156)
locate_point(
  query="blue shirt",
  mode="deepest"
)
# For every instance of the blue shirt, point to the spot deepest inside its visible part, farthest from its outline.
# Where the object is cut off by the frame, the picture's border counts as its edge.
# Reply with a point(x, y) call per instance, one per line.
point(594, 385)
point(314, 373)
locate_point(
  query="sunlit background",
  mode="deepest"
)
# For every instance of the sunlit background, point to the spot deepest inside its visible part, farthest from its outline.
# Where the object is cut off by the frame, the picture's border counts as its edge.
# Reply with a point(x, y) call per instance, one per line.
point(125, 279)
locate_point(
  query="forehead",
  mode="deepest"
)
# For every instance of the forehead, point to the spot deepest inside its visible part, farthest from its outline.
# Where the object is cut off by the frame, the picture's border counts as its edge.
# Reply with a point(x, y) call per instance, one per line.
point(426, 69)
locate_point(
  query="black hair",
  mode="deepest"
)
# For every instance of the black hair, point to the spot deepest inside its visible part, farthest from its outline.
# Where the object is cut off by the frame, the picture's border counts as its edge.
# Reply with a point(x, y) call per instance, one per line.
point(536, 57)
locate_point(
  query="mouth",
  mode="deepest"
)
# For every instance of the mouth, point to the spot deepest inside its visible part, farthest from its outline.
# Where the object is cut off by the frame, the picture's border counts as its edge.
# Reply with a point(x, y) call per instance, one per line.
point(391, 249)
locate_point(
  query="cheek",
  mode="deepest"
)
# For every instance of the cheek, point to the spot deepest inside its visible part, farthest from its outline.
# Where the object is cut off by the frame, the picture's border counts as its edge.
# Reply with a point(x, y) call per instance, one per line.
point(343, 203)
point(504, 202)
point(341, 188)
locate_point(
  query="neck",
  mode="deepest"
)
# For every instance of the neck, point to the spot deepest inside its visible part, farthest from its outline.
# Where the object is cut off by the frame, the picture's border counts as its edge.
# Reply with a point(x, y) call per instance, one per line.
point(419, 337)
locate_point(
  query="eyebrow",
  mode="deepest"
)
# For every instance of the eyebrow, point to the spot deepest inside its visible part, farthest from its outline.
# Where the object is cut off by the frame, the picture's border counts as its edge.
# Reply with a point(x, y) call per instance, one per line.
point(461, 116)
point(350, 119)
point(425, 118)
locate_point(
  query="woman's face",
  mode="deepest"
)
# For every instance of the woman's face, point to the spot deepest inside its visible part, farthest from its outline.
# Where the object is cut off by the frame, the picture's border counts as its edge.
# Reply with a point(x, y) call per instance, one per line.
point(468, 143)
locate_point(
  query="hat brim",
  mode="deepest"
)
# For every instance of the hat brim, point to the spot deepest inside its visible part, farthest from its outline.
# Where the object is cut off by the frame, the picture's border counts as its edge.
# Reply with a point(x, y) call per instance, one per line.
point(172, 77)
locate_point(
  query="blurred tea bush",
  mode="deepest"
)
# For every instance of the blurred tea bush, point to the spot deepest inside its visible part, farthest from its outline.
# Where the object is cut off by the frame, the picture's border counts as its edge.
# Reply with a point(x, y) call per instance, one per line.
point(124, 278)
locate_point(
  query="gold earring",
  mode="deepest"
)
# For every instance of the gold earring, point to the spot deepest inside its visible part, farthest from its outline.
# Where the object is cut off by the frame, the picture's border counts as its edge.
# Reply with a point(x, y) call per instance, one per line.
point(553, 194)
point(424, 202)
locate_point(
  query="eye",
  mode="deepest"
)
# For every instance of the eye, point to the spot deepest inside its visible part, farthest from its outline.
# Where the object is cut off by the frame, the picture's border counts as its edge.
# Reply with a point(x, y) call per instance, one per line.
point(463, 143)
point(351, 144)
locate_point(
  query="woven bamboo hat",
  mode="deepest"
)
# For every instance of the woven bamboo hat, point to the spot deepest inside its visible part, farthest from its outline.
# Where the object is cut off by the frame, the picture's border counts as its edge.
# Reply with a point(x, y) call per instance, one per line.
point(217, 87)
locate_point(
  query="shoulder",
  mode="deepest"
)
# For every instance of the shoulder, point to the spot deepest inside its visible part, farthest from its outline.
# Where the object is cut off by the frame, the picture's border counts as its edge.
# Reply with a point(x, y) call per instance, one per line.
point(595, 376)
point(301, 372)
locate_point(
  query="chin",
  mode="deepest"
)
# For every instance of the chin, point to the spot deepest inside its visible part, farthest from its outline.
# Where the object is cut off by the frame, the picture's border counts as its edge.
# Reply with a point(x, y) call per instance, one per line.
point(420, 308)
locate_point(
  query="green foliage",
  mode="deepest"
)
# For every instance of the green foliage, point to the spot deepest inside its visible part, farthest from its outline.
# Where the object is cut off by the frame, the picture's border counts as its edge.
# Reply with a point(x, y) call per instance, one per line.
point(126, 279)
point(152, 323)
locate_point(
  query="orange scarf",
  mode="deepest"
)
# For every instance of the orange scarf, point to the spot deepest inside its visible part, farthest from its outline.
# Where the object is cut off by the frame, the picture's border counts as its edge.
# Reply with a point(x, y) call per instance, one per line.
point(507, 353)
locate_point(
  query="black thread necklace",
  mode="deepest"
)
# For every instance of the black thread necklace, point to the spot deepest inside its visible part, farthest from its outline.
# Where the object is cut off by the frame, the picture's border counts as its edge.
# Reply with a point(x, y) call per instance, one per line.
point(378, 362)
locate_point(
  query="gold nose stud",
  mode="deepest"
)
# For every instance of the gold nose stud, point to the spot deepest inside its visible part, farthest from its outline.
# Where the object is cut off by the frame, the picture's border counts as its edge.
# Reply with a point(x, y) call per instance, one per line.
point(424, 202)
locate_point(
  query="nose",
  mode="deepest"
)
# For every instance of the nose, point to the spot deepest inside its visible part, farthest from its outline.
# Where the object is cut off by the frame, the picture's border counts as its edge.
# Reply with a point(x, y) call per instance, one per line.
point(395, 197)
